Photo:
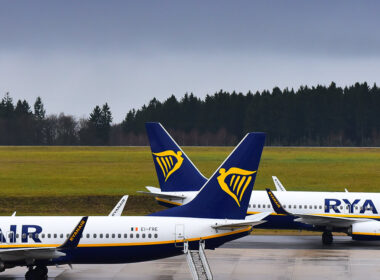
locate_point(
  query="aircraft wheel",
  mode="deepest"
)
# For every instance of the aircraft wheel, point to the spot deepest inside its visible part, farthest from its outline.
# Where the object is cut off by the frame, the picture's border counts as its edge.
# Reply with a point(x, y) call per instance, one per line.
point(39, 273)
point(327, 238)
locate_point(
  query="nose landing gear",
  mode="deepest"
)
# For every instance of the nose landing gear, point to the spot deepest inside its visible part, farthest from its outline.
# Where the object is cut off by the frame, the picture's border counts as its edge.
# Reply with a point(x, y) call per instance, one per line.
point(38, 273)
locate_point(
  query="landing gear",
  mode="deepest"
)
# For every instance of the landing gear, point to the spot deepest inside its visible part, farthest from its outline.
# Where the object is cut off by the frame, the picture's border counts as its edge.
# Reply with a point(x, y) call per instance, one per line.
point(38, 273)
point(327, 238)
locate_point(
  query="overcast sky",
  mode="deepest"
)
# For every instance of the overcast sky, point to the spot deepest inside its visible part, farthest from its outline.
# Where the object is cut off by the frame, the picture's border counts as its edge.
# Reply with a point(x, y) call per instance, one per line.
point(78, 54)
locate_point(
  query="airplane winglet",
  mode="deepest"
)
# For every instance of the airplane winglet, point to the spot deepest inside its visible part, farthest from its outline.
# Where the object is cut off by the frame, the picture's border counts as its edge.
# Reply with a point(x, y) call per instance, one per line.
point(278, 185)
point(276, 204)
point(75, 236)
point(118, 210)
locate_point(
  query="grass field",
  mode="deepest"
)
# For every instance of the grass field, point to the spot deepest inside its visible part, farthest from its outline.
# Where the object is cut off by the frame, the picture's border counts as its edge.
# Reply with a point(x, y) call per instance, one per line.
point(89, 180)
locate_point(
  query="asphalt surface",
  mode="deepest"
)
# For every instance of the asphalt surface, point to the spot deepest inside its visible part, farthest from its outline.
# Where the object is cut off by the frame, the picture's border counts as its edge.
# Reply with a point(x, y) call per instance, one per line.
point(252, 257)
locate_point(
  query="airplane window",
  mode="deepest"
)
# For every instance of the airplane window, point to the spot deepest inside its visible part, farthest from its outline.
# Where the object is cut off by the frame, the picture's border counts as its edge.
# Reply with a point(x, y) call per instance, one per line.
point(113, 235)
point(295, 207)
point(258, 206)
point(30, 235)
point(125, 235)
point(43, 235)
point(24, 235)
point(131, 235)
point(284, 206)
point(143, 235)
point(315, 206)
point(320, 206)
point(268, 206)
point(87, 235)
point(49, 235)
point(36, 235)
point(119, 235)
point(61, 235)
point(341, 207)
point(254, 205)
point(101, 235)
point(55, 235)
point(10, 235)
point(311, 207)
point(263, 205)
point(249, 205)
point(305, 206)
point(155, 235)
point(356, 207)
point(17, 235)
point(150, 235)
point(94, 235)
point(300, 206)
point(107, 235)
point(290, 206)
point(137, 235)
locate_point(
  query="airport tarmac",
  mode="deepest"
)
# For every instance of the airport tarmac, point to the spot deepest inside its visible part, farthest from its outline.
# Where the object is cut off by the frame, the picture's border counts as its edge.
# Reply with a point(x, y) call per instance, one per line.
point(252, 257)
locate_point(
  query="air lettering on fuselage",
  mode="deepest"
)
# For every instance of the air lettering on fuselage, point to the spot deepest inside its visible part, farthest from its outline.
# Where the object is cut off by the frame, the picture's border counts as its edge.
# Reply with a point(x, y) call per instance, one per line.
point(335, 204)
point(28, 231)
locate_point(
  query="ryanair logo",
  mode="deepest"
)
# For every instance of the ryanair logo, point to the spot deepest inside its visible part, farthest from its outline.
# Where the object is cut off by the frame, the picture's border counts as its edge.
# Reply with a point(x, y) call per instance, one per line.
point(237, 183)
point(169, 162)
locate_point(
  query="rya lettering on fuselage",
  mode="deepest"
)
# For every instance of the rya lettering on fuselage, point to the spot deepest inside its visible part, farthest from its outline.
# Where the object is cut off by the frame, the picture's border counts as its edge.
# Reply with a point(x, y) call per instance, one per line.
point(28, 232)
point(333, 205)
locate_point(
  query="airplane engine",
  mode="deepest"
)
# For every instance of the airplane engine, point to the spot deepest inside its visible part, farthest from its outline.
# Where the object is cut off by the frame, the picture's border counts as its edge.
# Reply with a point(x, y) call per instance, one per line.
point(2, 267)
point(369, 230)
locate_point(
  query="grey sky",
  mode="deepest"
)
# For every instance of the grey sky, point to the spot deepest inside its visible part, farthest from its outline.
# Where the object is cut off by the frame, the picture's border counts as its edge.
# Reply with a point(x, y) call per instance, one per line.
point(77, 54)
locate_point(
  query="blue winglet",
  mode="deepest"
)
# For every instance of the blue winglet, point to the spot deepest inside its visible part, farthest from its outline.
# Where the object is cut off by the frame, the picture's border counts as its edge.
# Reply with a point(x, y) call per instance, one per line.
point(276, 204)
point(175, 171)
point(75, 236)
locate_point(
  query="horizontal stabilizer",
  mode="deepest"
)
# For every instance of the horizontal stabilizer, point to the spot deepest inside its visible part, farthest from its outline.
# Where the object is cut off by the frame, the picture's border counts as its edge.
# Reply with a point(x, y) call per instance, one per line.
point(158, 193)
point(251, 220)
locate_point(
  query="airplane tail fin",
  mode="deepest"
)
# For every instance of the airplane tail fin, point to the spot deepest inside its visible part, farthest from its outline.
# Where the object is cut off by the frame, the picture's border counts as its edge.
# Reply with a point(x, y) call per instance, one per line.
point(226, 194)
point(175, 171)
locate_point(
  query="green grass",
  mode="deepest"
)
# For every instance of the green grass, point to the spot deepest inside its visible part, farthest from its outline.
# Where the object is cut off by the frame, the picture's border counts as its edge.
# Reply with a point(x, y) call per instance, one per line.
point(78, 179)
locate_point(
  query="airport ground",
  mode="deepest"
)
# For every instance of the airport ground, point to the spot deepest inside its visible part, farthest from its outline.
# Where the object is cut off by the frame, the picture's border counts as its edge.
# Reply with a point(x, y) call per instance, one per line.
point(252, 257)
point(90, 180)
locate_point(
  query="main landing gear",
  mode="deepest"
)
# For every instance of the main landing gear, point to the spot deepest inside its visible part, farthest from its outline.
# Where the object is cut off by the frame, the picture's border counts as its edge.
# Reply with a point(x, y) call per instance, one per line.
point(38, 273)
point(327, 238)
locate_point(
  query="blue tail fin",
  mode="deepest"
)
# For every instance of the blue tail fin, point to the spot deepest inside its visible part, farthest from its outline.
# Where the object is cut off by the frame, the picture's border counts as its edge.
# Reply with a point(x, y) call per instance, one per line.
point(226, 194)
point(175, 171)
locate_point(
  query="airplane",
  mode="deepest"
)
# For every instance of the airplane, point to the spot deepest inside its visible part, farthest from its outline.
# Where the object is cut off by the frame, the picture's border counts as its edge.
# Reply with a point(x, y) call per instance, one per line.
point(337, 211)
point(215, 216)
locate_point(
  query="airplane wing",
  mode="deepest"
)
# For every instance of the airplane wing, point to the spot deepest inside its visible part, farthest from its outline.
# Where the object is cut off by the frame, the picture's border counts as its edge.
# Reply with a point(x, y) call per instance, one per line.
point(32, 254)
point(278, 185)
point(332, 221)
point(251, 220)
point(313, 219)
point(158, 193)
point(118, 210)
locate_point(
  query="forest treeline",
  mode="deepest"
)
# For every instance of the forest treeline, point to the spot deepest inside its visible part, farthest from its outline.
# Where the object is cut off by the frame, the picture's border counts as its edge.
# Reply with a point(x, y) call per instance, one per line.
point(308, 116)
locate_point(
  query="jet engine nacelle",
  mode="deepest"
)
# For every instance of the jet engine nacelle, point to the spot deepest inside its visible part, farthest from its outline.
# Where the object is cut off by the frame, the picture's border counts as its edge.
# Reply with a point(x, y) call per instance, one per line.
point(369, 230)
point(2, 267)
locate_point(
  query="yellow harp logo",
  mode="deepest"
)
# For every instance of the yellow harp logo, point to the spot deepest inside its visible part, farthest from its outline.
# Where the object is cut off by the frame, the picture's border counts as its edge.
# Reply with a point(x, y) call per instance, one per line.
point(169, 162)
point(237, 184)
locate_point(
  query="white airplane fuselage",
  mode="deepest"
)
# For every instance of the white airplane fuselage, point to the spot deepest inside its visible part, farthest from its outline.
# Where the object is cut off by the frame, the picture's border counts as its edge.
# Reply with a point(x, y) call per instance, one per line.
point(330, 204)
point(113, 239)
